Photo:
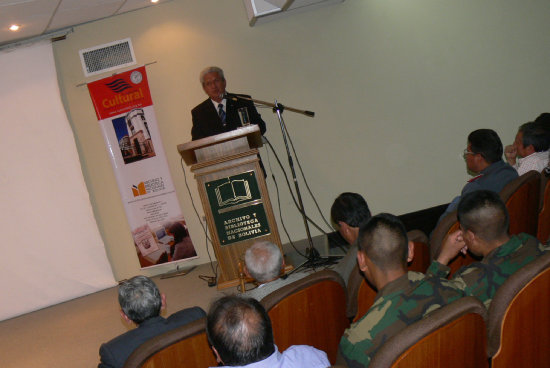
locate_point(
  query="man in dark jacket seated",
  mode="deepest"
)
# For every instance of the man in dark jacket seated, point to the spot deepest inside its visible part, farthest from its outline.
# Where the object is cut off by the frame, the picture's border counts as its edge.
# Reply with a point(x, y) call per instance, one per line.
point(141, 302)
point(483, 157)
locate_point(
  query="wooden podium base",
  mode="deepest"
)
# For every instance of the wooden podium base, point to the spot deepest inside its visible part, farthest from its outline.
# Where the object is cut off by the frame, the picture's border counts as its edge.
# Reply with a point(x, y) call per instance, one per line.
point(234, 196)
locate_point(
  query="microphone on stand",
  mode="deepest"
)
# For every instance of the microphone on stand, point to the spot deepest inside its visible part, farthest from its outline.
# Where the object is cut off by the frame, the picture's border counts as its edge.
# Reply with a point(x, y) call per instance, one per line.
point(231, 96)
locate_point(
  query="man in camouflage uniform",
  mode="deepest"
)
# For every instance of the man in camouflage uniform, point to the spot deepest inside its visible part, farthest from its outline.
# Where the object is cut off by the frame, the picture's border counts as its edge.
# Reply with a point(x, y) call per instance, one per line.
point(403, 297)
point(483, 230)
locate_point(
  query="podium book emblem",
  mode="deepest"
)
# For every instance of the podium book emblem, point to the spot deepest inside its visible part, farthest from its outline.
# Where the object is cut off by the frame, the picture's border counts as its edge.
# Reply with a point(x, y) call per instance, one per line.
point(237, 208)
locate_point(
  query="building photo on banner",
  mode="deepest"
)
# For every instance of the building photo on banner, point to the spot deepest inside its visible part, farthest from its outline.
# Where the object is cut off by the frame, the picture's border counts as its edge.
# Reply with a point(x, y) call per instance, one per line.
point(128, 122)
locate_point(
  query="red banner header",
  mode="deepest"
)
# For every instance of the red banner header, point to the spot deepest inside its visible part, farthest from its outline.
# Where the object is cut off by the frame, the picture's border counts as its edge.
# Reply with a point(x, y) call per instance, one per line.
point(120, 93)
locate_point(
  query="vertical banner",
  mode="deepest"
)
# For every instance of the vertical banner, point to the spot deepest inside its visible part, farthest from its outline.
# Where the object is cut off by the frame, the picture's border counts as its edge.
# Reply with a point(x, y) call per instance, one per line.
point(127, 118)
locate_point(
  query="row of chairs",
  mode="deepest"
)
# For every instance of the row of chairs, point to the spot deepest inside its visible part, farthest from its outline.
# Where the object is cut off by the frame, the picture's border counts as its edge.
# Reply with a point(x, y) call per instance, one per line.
point(529, 208)
point(455, 334)
point(514, 332)
point(312, 311)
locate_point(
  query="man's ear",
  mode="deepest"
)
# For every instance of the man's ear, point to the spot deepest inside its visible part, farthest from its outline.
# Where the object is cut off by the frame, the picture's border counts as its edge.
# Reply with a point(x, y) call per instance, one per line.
point(410, 255)
point(468, 236)
point(218, 359)
point(163, 301)
point(125, 317)
point(342, 225)
point(530, 149)
point(362, 260)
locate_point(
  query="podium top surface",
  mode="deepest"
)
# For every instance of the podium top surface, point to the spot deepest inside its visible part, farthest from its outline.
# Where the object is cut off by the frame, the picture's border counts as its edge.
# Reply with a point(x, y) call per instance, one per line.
point(251, 132)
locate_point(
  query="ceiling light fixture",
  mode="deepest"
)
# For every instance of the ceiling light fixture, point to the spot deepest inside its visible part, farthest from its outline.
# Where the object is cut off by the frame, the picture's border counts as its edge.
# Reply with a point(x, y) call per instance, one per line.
point(14, 27)
point(154, 1)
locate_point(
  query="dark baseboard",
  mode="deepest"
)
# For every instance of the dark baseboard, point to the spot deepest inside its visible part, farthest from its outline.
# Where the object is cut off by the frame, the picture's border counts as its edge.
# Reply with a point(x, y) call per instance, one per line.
point(423, 220)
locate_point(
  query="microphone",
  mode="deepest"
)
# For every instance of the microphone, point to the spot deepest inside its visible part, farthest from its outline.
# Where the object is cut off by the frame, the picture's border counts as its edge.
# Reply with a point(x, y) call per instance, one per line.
point(231, 96)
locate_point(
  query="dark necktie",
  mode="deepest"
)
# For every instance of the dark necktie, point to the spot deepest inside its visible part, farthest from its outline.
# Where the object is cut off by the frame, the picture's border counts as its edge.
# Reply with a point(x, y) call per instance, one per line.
point(221, 113)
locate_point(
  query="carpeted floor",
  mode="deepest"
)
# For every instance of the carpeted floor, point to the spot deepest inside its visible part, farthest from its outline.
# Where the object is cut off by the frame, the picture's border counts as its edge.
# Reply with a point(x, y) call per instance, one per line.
point(69, 334)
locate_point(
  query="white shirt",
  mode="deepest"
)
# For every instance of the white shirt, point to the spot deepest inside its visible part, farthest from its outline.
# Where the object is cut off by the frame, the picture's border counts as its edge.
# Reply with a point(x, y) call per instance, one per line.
point(296, 356)
point(535, 161)
point(223, 102)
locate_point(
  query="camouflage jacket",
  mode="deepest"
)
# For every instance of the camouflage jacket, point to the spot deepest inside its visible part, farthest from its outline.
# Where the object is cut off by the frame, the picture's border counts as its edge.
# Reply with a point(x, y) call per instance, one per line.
point(482, 279)
point(397, 305)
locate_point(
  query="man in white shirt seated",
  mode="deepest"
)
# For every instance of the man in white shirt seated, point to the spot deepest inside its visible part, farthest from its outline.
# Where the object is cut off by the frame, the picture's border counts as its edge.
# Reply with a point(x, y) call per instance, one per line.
point(239, 331)
point(530, 148)
point(264, 263)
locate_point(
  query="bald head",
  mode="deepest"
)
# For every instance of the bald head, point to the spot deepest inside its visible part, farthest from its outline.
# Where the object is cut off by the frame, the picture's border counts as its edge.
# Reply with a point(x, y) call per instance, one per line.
point(264, 261)
point(240, 330)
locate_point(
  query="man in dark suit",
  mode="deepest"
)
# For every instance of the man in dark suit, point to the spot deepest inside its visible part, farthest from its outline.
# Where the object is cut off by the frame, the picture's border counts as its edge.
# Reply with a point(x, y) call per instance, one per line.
point(218, 114)
point(141, 303)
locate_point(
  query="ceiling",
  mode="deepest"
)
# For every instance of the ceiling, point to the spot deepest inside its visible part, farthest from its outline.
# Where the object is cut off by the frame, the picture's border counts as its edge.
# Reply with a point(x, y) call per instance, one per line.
point(42, 17)
point(49, 17)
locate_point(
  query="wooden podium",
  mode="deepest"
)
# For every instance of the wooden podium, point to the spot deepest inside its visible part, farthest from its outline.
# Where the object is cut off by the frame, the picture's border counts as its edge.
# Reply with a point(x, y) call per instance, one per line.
point(234, 195)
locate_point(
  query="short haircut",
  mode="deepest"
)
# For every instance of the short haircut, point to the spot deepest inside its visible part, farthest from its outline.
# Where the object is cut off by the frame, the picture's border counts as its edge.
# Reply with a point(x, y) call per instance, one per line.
point(384, 240)
point(544, 119)
point(535, 134)
point(483, 213)
point(351, 209)
point(240, 330)
point(139, 298)
point(263, 261)
point(487, 143)
point(211, 69)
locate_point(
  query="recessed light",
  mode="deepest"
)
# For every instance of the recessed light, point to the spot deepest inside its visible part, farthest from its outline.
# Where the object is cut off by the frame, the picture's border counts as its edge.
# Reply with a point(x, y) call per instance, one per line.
point(14, 27)
point(154, 1)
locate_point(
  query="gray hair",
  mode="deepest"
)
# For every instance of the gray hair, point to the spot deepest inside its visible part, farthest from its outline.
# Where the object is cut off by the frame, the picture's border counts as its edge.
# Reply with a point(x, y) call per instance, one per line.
point(139, 298)
point(264, 261)
point(211, 69)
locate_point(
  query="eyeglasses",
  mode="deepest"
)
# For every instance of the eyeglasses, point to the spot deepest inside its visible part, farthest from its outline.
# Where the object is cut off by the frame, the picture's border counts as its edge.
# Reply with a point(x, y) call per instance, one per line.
point(466, 152)
point(213, 82)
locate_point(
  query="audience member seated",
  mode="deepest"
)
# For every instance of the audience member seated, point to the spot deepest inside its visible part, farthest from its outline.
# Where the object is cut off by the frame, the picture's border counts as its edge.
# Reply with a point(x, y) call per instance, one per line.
point(183, 247)
point(349, 212)
point(264, 263)
point(141, 302)
point(483, 156)
point(530, 147)
point(239, 330)
point(483, 221)
point(403, 297)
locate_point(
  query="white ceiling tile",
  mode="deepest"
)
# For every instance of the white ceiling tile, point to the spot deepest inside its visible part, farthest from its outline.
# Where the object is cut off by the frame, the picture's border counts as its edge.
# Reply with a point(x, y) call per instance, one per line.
point(130, 5)
point(32, 16)
point(72, 12)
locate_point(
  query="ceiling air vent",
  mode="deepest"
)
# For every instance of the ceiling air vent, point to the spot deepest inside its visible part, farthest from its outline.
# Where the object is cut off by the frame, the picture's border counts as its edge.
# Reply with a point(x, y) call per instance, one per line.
point(107, 57)
point(260, 11)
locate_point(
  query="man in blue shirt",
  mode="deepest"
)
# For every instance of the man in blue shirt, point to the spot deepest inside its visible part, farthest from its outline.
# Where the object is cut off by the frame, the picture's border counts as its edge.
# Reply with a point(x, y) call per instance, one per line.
point(239, 330)
point(483, 157)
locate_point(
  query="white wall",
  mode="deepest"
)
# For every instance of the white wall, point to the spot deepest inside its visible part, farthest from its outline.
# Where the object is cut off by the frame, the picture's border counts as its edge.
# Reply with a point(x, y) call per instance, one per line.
point(396, 86)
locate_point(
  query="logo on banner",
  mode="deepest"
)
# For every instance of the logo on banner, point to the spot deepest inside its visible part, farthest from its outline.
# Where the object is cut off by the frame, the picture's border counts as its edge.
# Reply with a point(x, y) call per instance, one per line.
point(118, 85)
point(148, 186)
point(139, 189)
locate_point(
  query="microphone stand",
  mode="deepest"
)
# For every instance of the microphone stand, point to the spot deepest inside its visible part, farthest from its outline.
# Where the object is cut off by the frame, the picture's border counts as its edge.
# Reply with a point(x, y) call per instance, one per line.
point(313, 259)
